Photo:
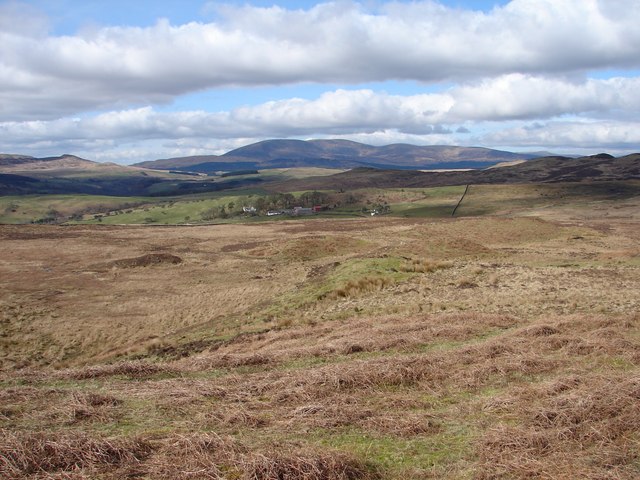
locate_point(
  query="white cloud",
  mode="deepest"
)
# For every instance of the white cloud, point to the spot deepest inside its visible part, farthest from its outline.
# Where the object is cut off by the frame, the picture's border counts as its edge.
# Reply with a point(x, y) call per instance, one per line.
point(355, 111)
point(519, 96)
point(22, 19)
point(572, 135)
point(457, 115)
point(528, 61)
point(47, 76)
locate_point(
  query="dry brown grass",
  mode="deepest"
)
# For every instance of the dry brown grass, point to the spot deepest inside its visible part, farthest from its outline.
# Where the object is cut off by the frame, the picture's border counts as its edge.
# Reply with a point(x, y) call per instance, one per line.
point(532, 373)
point(132, 369)
point(349, 411)
point(541, 422)
point(397, 333)
point(185, 457)
point(582, 427)
point(180, 457)
point(421, 265)
point(147, 260)
point(305, 466)
point(370, 283)
point(24, 454)
point(311, 247)
point(92, 406)
point(82, 314)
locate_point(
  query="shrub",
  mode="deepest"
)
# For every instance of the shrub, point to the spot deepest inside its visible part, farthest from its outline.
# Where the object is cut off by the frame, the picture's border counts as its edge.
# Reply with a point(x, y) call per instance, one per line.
point(424, 266)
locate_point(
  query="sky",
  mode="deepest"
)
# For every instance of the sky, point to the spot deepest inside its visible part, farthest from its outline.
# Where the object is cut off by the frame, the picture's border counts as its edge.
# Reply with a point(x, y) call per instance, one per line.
point(128, 81)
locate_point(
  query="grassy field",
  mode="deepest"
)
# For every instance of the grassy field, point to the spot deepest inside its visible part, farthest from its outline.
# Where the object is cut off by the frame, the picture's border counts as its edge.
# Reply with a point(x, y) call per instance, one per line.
point(31, 208)
point(437, 202)
point(392, 347)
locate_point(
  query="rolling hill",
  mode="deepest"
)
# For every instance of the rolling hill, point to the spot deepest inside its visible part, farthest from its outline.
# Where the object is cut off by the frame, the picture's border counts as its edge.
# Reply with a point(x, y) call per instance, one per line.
point(68, 174)
point(554, 169)
point(61, 166)
point(338, 154)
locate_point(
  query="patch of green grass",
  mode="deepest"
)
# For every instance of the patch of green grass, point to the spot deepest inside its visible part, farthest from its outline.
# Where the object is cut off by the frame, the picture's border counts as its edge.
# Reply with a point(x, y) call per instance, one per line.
point(379, 271)
point(397, 455)
point(490, 199)
point(411, 210)
point(30, 208)
point(355, 270)
point(435, 202)
point(302, 172)
point(176, 211)
point(621, 363)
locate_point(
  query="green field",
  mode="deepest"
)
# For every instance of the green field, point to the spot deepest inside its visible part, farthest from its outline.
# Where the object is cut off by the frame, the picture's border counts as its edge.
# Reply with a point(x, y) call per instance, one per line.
point(226, 206)
point(58, 208)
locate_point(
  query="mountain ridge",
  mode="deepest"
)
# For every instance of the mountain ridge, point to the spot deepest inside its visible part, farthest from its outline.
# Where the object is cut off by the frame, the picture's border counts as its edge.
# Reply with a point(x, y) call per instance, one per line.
point(338, 153)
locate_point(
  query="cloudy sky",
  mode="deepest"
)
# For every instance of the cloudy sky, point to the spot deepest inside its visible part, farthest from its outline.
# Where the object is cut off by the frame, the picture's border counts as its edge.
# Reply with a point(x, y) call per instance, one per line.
point(132, 80)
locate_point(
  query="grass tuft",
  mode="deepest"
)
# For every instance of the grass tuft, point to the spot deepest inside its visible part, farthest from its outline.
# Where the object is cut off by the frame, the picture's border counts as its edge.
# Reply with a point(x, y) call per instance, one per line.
point(356, 287)
point(132, 369)
point(424, 266)
point(24, 454)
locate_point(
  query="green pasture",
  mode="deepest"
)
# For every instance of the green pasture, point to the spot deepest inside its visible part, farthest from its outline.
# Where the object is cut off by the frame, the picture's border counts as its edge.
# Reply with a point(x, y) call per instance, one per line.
point(31, 208)
point(436, 202)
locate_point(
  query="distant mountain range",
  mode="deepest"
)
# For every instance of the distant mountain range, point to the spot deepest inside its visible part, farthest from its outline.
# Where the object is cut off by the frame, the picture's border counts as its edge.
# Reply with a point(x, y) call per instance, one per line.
point(338, 154)
point(68, 174)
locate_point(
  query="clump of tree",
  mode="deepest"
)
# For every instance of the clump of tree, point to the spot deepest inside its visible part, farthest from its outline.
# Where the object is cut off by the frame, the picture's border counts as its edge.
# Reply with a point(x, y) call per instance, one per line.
point(382, 208)
point(309, 199)
point(286, 201)
point(221, 212)
point(277, 201)
point(52, 216)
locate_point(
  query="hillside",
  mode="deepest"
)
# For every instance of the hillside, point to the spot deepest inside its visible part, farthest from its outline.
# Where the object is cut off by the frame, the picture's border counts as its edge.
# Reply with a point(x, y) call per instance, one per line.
point(554, 169)
point(68, 174)
point(178, 163)
point(7, 159)
point(338, 154)
point(24, 163)
point(61, 166)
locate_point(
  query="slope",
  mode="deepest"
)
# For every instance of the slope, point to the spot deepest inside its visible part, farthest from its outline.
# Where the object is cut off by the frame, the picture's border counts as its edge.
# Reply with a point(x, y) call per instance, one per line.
point(601, 167)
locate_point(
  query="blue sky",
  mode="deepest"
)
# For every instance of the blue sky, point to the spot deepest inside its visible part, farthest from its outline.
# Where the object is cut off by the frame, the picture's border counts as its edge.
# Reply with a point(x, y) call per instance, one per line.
point(127, 81)
point(68, 16)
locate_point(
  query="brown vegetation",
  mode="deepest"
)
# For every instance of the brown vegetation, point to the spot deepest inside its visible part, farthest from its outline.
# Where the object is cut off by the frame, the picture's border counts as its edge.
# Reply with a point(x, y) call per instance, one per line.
point(512, 351)
point(147, 260)
point(180, 457)
point(571, 427)
point(23, 454)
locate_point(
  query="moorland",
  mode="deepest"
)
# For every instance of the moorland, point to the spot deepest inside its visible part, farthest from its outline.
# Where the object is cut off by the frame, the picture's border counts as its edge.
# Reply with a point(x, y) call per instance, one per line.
point(502, 341)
